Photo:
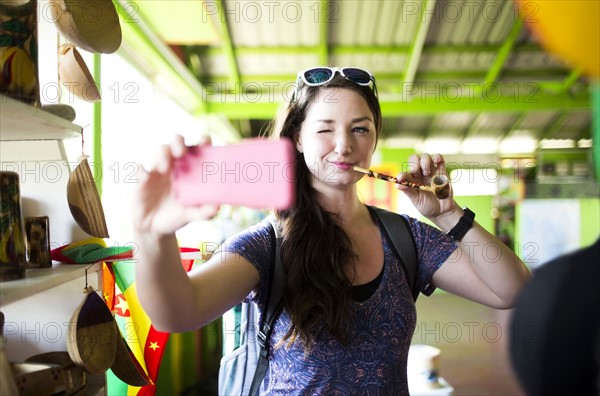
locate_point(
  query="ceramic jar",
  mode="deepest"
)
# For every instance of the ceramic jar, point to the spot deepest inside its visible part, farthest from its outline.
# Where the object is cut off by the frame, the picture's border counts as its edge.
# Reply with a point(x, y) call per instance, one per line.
point(12, 244)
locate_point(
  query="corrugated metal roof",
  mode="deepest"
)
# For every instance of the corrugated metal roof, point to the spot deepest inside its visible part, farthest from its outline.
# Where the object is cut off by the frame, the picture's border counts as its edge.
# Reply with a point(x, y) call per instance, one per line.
point(459, 68)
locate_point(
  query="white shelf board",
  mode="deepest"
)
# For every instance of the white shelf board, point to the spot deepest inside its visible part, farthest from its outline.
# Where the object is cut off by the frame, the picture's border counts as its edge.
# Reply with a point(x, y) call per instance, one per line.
point(20, 121)
point(41, 279)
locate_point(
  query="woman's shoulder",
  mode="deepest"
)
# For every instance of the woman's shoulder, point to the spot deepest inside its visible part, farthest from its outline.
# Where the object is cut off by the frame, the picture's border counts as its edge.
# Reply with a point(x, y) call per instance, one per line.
point(257, 234)
point(423, 233)
point(417, 227)
point(255, 244)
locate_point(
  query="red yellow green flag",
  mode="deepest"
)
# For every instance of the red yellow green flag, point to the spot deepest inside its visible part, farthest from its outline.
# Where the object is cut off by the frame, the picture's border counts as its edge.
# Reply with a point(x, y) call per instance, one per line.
point(147, 345)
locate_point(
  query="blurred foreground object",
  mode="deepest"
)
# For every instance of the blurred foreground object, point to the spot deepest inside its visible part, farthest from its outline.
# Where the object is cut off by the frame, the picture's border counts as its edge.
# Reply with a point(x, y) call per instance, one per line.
point(569, 29)
point(555, 328)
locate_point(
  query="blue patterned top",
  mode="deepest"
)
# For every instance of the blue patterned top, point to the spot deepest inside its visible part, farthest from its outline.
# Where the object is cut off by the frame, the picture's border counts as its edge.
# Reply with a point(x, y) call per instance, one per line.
point(373, 362)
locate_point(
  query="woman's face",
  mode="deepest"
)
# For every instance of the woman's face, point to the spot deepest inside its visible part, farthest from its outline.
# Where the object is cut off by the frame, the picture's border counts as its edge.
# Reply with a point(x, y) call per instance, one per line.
point(337, 134)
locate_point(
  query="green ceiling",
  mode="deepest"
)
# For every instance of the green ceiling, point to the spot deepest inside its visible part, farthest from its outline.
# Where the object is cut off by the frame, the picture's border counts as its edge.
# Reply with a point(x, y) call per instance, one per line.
point(220, 58)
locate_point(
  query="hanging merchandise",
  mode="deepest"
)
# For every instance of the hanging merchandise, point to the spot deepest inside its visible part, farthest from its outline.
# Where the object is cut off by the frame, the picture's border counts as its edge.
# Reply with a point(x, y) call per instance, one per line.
point(126, 366)
point(84, 201)
point(75, 76)
point(92, 334)
point(89, 25)
point(92, 25)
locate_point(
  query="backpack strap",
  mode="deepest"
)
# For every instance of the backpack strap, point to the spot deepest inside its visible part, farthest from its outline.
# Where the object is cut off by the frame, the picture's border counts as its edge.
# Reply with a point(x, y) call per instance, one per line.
point(272, 309)
point(397, 231)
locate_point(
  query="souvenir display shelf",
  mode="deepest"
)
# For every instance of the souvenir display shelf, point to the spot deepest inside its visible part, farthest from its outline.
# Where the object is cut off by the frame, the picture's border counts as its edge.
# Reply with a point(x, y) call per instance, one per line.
point(43, 279)
point(37, 309)
point(21, 121)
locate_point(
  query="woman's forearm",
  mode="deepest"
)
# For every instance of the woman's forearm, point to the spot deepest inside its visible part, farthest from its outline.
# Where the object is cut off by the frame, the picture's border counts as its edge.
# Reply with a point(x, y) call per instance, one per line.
point(500, 269)
point(495, 263)
point(163, 286)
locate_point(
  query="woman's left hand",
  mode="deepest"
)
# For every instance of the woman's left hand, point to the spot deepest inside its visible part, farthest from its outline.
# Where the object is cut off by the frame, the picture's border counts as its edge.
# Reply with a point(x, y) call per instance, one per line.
point(422, 169)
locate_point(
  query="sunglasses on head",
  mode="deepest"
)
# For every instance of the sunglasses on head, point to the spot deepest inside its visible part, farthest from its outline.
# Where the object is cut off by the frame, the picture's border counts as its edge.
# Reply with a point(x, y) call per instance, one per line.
point(322, 75)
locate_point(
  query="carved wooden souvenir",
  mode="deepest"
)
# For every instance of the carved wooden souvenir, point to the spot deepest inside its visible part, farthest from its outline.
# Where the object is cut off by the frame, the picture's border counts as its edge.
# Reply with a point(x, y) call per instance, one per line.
point(37, 232)
point(12, 245)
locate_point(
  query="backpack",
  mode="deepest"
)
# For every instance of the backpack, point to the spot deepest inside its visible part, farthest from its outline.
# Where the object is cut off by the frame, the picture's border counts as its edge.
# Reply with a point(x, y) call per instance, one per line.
point(242, 371)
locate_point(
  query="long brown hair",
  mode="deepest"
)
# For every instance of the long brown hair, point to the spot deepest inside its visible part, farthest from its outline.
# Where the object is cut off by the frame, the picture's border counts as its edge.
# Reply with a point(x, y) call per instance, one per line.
point(315, 249)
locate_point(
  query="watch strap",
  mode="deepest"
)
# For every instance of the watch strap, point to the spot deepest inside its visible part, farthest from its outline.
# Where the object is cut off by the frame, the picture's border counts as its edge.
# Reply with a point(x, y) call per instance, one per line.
point(464, 224)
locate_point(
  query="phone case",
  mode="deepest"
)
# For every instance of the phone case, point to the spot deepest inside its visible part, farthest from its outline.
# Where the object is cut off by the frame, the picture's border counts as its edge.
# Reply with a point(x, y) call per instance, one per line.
point(256, 173)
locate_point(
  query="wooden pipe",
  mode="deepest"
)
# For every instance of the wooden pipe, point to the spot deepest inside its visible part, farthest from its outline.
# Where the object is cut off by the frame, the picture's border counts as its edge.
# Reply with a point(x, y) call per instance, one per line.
point(440, 185)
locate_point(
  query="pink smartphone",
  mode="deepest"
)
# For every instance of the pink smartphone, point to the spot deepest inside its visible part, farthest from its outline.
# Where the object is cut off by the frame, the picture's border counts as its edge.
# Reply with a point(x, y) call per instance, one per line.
point(256, 173)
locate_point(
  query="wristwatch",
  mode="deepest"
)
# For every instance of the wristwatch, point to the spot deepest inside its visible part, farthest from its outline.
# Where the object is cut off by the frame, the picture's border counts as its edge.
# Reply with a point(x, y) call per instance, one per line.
point(464, 224)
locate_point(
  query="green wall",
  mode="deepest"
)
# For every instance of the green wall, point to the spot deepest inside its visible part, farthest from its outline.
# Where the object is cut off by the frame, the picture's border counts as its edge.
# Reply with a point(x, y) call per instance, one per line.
point(396, 155)
point(596, 128)
point(482, 207)
point(590, 220)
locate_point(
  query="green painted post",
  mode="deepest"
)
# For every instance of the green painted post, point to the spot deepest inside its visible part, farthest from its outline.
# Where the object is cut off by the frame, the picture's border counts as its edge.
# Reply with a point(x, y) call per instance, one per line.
point(596, 128)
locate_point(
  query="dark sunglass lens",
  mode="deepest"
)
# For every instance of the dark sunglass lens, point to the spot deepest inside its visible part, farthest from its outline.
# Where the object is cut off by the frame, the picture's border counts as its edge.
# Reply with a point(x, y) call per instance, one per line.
point(317, 76)
point(359, 76)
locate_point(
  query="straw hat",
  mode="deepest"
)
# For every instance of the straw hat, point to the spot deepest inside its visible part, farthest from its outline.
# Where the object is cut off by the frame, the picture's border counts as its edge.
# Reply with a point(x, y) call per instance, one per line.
point(92, 25)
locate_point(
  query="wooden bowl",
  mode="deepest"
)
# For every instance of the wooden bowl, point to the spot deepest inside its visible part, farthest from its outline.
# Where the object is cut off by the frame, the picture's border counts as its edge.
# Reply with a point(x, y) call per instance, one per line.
point(84, 201)
point(126, 366)
point(92, 25)
point(92, 334)
point(75, 75)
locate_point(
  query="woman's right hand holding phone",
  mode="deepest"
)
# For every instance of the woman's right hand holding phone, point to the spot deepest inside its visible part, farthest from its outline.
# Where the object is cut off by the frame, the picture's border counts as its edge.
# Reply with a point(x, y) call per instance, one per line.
point(155, 209)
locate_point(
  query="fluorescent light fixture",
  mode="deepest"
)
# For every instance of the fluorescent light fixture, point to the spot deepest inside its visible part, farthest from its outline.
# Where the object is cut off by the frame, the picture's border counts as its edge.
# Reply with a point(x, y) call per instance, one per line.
point(440, 145)
point(557, 143)
point(584, 143)
point(402, 142)
point(480, 145)
point(518, 144)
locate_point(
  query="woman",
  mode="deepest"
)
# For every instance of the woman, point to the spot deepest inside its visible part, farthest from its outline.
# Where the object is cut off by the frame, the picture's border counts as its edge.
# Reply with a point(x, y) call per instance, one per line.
point(348, 315)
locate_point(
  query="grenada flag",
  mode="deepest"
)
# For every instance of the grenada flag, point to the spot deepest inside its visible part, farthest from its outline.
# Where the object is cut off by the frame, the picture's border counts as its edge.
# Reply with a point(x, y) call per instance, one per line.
point(146, 344)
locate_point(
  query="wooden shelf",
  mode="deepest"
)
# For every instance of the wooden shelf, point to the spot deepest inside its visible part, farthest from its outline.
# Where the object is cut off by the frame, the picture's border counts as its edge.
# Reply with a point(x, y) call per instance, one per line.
point(42, 279)
point(20, 121)
point(40, 306)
